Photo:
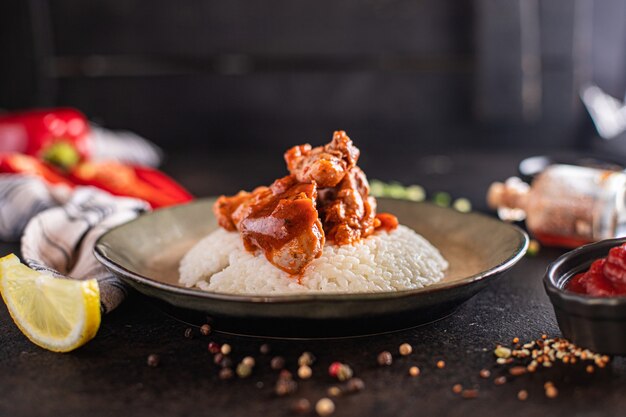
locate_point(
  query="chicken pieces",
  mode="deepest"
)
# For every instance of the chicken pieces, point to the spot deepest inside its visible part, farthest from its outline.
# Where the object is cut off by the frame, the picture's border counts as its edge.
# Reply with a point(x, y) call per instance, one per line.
point(326, 165)
point(348, 211)
point(281, 220)
point(326, 196)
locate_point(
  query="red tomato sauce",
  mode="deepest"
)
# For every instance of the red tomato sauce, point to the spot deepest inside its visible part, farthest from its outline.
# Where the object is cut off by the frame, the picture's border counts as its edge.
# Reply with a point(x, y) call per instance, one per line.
point(605, 278)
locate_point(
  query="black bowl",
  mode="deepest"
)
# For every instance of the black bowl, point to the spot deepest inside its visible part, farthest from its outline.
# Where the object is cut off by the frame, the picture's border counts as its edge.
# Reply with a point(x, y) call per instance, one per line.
point(596, 323)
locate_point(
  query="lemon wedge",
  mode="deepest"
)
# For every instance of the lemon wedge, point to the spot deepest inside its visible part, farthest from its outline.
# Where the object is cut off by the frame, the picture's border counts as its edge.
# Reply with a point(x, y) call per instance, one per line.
point(56, 314)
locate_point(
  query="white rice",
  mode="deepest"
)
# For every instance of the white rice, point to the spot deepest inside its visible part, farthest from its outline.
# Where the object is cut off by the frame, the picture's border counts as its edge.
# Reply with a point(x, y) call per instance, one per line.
point(399, 260)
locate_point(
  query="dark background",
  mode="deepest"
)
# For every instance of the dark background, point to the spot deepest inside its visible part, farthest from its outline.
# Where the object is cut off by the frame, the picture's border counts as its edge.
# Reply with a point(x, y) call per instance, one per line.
point(450, 94)
point(218, 76)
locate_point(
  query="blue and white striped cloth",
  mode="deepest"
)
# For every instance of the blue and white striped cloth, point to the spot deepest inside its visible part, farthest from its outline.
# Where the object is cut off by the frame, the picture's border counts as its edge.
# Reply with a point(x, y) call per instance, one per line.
point(58, 228)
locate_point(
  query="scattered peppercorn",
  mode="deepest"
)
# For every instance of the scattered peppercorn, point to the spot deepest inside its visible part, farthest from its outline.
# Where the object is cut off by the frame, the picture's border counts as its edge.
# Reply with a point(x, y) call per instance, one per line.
point(552, 392)
point(501, 380)
point(590, 369)
point(305, 372)
point(285, 386)
point(301, 406)
point(225, 373)
point(249, 361)
point(355, 385)
point(325, 407)
point(205, 329)
point(384, 358)
point(405, 349)
point(277, 363)
point(217, 358)
point(214, 347)
point(285, 374)
point(306, 358)
point(485, 373)
point(457, 388)
point(243, 370)
point(414, 371)
point(334, 391)
point(188, 333)
point(153, 360)
point(333, 369)
point(469, 393)
point(344, 373)
point(522, 395)
point(441, 364)
point(226, 362)
point(225, 349)
point(518, 370)
point(265, 349)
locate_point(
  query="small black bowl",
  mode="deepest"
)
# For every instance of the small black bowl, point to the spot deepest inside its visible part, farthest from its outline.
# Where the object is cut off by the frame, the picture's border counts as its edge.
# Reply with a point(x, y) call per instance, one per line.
point(596, 323)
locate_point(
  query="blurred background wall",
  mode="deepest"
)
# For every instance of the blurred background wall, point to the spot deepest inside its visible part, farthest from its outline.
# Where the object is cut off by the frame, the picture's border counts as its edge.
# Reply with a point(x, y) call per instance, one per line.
point(220, 75)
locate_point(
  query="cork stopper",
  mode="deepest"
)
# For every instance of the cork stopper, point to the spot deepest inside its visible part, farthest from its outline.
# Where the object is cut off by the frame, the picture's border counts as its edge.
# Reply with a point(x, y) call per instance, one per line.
point(509, 198)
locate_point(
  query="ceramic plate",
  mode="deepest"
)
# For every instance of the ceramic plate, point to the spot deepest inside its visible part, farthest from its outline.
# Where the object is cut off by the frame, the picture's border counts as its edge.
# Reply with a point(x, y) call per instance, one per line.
point(145, 253)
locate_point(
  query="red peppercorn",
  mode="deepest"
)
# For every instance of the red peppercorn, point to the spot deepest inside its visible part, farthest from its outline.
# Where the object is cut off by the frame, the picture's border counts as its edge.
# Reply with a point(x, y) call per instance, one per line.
point(214, 347)
point(333, 369)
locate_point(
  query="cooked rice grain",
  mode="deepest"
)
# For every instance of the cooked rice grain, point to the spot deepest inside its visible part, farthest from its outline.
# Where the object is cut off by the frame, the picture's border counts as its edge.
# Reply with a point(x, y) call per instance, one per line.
point(398, 260)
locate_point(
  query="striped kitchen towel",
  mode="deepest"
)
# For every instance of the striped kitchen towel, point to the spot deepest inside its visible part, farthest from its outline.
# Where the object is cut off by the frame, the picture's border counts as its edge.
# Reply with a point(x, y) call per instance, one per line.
point(59, 227)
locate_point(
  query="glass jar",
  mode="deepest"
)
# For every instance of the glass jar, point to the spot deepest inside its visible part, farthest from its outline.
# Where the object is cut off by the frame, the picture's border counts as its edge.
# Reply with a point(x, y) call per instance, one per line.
point(565, 205)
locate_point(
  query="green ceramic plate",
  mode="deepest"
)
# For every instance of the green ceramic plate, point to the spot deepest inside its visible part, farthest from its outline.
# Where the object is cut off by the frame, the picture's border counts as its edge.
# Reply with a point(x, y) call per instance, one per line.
point(146, 251)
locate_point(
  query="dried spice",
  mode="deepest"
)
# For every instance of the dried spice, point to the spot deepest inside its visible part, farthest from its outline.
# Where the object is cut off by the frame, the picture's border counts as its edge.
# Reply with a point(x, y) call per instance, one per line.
point(405, 349)
point(325, 407)
point(153, 360)
point(305, 372)
point(285, 386)
point(384, 358)
point(225, 373)
point(522, 395)
point(306, 358)
point(205, 329)
point(277, 363)
point(501, 380)
point(469, 393)
point(243, 370)
point(249, 361)
point(214, 347)
point(301, 406)
point(355, 385)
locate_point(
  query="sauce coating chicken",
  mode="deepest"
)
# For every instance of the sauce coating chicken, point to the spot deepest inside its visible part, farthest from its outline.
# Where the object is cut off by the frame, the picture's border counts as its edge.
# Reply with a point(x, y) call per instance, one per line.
point(326, 196)
point(326, 165)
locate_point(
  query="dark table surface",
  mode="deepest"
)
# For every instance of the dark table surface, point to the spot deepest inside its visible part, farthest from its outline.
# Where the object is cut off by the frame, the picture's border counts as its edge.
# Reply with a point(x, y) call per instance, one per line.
point(109, 376)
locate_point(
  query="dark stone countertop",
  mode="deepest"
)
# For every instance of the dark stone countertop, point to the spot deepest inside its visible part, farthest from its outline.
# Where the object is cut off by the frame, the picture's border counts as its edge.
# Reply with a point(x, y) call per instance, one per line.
point(109, 376)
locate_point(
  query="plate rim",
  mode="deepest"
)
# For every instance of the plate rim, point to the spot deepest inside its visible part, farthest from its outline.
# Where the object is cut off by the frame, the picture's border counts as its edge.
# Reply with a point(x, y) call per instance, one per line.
point(520, 251)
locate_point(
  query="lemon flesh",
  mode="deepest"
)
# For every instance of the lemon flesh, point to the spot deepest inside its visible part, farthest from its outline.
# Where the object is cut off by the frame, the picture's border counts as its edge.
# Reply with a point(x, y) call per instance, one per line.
point(54, 313)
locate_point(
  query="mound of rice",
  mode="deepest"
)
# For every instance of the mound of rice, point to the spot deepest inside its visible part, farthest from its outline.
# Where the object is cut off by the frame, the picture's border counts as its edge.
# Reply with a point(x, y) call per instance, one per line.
point(398, 260)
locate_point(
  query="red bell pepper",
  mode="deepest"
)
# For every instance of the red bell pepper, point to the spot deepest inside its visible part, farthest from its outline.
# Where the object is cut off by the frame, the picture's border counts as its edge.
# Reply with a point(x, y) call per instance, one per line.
point(148, 184)
point(14, 163)
point(60, 136)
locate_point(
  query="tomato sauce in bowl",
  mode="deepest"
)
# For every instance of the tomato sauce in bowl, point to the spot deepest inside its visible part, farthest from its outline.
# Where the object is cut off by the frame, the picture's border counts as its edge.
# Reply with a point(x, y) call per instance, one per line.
point(605, 278)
